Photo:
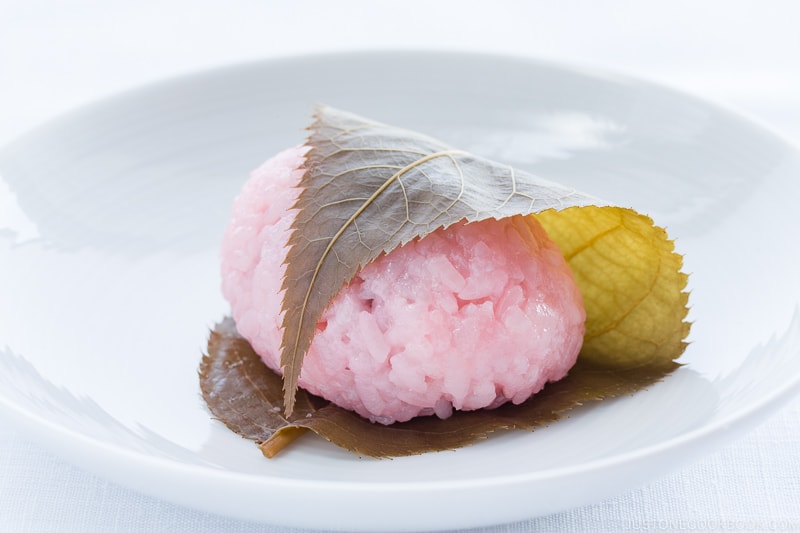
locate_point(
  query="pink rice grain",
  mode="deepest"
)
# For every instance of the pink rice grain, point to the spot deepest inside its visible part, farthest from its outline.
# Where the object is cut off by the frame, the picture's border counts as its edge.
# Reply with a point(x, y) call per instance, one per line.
point(468, 317)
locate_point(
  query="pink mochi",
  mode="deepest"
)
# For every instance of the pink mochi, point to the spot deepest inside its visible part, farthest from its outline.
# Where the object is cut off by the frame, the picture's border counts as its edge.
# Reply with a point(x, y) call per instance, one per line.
point(468, 317)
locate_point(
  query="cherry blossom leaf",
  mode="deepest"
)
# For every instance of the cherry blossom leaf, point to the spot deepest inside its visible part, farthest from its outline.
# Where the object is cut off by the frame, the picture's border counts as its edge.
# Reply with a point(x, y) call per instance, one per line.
point(369, 188)
point(631, 281)
point(247, 396)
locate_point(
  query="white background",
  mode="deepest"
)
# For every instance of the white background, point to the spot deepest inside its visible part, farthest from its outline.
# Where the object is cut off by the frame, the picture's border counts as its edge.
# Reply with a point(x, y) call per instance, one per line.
point(745, 55)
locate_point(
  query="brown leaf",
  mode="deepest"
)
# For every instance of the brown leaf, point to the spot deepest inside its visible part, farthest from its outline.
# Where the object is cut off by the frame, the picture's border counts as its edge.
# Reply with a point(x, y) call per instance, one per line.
point(241, 390)
point(247, 396)
point(369, 188)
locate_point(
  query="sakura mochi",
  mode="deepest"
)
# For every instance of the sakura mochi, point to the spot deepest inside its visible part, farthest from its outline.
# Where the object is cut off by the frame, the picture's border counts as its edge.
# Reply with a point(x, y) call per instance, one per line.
point(467, 317)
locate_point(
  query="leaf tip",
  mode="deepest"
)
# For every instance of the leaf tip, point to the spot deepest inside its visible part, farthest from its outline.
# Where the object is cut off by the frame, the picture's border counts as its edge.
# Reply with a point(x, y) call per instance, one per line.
point(289, 393)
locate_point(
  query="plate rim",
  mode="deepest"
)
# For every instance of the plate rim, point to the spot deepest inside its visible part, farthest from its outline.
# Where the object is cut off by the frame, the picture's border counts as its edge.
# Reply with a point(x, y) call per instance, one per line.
point(575, 67)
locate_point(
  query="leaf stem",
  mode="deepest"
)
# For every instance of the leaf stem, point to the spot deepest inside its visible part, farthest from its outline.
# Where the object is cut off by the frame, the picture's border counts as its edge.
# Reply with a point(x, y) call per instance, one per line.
point(280, 440)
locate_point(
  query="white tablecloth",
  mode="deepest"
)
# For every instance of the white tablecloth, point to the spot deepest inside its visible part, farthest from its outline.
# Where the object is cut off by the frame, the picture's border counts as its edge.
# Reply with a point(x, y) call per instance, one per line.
point(743, 54)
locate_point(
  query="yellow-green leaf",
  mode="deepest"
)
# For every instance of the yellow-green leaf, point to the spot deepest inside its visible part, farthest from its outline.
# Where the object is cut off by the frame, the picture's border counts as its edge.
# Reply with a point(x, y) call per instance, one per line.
point(631, 280)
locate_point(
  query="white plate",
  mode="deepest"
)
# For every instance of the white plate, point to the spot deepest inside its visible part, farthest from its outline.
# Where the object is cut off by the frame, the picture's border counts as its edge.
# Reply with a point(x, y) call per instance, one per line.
point(110, 219)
